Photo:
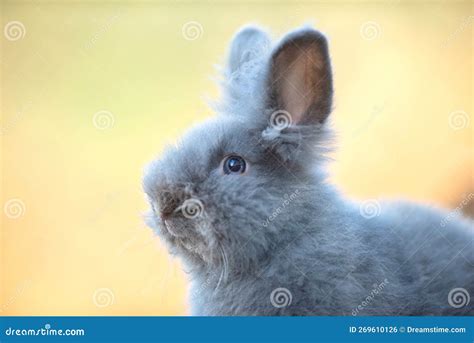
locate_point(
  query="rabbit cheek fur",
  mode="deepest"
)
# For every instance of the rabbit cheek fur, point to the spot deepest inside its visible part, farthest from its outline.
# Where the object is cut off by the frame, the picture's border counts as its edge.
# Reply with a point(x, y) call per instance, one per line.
point(279, 227)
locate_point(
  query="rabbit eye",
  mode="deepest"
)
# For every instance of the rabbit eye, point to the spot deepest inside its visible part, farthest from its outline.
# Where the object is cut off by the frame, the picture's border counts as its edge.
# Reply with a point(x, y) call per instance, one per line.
point(234, 165)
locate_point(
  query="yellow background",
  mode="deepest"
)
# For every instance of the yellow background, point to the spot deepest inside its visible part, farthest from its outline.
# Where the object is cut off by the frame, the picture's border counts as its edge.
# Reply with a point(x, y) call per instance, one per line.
point(81, 231)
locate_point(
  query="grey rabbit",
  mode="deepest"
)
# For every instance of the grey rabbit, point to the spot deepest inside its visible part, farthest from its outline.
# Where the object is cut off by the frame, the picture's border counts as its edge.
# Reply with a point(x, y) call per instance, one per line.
point(243, 200)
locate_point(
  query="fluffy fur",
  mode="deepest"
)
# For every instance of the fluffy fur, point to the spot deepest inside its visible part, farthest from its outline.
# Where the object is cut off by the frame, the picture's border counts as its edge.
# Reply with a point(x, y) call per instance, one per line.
point(280, 227)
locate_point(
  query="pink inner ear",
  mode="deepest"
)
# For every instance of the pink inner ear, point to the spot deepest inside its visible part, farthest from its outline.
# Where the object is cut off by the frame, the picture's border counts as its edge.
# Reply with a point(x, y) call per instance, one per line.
point(299, 69)
point(294, 89)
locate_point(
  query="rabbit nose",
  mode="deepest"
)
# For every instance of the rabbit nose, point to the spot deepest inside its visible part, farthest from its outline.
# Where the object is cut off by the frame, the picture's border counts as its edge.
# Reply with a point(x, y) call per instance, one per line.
point(168, 203)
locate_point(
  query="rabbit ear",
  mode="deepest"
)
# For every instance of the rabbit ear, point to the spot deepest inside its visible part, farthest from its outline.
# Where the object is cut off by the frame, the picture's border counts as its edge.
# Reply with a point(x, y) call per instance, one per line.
point(248, 43)
point(300, 78)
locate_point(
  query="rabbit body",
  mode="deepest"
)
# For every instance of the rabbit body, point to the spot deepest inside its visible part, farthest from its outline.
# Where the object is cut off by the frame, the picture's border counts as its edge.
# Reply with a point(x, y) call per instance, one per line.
point(392, 264)
point(243, 201)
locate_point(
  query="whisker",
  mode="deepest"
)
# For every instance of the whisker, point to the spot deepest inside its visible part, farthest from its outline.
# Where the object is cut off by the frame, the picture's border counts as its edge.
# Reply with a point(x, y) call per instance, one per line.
point(224, 269)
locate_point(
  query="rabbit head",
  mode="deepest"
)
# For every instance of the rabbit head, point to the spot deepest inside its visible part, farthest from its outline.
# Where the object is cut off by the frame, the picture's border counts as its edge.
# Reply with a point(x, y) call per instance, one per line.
point(236, 185)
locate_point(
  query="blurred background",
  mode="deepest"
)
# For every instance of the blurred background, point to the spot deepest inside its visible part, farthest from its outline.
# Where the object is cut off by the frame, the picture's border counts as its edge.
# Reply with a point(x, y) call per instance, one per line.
point(92, 91)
